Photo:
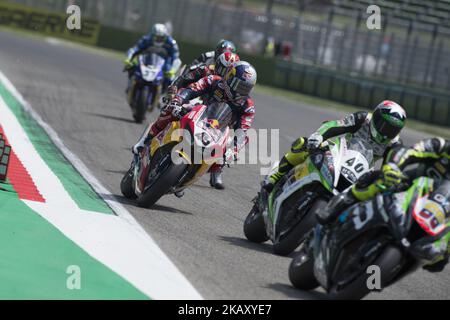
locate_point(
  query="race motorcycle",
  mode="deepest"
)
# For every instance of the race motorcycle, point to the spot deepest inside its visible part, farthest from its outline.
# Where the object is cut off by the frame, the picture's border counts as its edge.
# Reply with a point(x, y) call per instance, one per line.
point(381, 233)
point(180, 154)
point(147, 82)
point(287, 214)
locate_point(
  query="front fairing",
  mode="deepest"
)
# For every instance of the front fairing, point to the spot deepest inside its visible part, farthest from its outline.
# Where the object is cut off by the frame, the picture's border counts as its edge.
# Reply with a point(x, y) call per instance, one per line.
point(147, 168)
point(294, 181)
point(208, 130)
point(330, 166)
point(317, 169)
point(351, 244)
point(150, 68)
point(348, 159)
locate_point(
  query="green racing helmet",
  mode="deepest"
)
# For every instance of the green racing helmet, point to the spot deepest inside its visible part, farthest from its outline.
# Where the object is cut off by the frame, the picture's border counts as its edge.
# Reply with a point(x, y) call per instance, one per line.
point(387, 121)
point(224, 46)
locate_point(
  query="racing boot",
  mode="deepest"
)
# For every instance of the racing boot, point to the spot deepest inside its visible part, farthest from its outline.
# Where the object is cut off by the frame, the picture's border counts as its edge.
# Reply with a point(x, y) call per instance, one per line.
point(143, 142)
point(216, 181)
point(179, 194)
point(296, 156)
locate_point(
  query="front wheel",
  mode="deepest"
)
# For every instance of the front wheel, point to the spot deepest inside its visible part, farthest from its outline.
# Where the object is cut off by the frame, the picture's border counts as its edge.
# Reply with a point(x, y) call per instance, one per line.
point(254, 226)
point(141, 105)
point(294, 237)
point(301, 272)
point(126, 185)
point(389, 263)
point(165, 182)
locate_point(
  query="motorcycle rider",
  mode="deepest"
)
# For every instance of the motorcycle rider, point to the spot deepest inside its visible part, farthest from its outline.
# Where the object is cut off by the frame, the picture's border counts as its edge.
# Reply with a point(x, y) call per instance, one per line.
point(219, 67)
point(211, 62)
point(209, 57)
point(234, 88)
point(433, 155)
point(159, 41)
point(380, 129)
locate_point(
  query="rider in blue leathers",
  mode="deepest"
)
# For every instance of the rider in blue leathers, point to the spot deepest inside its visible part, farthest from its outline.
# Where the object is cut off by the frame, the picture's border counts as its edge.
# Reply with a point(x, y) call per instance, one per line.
point(161, 42)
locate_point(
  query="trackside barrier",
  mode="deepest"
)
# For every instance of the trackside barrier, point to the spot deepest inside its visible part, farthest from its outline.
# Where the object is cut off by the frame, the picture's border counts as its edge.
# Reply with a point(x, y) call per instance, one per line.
point(420, 104)
point(423, 104)
point(45, 22)
point(122, 40)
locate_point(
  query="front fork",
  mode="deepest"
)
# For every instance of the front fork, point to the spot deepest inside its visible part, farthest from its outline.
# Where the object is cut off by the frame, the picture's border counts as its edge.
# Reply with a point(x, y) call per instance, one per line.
point(135, 170)
point(261, 200)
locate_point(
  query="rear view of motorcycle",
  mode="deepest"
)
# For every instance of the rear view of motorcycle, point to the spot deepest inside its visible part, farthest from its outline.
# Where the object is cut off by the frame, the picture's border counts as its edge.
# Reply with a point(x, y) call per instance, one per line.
point(383, 235)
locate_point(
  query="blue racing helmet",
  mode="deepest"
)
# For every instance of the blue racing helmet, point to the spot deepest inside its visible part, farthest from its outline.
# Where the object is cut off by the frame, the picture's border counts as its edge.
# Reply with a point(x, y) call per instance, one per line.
point(159, 34)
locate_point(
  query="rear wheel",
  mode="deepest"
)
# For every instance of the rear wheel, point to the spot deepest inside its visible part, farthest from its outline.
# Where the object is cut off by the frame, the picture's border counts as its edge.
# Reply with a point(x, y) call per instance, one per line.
point(254, 226)
point(165, 182)
point(294, 237)
point(301, 272)
point(126, 185)
point(389, 263)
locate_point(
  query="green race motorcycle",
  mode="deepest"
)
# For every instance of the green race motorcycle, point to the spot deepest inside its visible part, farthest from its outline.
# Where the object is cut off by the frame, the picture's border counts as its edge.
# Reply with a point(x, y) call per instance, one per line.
point(286, 215)
point(383, 233)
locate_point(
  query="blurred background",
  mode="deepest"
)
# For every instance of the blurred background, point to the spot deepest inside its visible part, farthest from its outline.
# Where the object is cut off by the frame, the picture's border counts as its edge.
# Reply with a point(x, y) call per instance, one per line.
point(318, 47)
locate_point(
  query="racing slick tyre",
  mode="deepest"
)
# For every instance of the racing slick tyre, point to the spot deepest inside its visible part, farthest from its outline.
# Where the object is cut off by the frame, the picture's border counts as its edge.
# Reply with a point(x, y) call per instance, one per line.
point(126, 185)
point(389, 263)
point(141, 105)
point(254, 226)
point(301, 272)
point(165, 182)
point(293, 238)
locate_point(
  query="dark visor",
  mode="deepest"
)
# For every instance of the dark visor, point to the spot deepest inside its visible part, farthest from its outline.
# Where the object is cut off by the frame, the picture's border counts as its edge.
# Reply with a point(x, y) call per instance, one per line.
point(160, 39)
point(386, 129)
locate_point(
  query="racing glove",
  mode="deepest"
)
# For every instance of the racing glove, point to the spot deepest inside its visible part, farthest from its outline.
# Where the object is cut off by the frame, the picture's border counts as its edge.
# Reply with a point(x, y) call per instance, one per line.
point(314, 141)
point(178, 111)
point(176, 108)
point(128, 64)
point(392, 176)
point(169, 74)
point(172, 90)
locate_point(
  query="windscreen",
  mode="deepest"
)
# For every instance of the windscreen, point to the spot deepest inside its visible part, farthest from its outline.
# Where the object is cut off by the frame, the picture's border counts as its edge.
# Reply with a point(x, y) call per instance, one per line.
point(362, 147)
point(153, 59)
point(218, 115)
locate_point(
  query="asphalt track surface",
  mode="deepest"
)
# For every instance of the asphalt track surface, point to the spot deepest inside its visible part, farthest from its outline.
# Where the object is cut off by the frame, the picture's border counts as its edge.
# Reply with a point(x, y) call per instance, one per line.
point(81, 95)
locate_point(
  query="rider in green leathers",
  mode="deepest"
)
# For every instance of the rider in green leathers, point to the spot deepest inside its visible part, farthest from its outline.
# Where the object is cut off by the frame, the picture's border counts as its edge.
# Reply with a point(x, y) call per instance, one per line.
point(379, 129)
point(433, 157)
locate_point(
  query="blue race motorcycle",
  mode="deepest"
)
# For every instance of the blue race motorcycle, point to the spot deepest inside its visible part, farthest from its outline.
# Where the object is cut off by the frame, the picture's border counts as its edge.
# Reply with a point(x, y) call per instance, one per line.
point(145, 85)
